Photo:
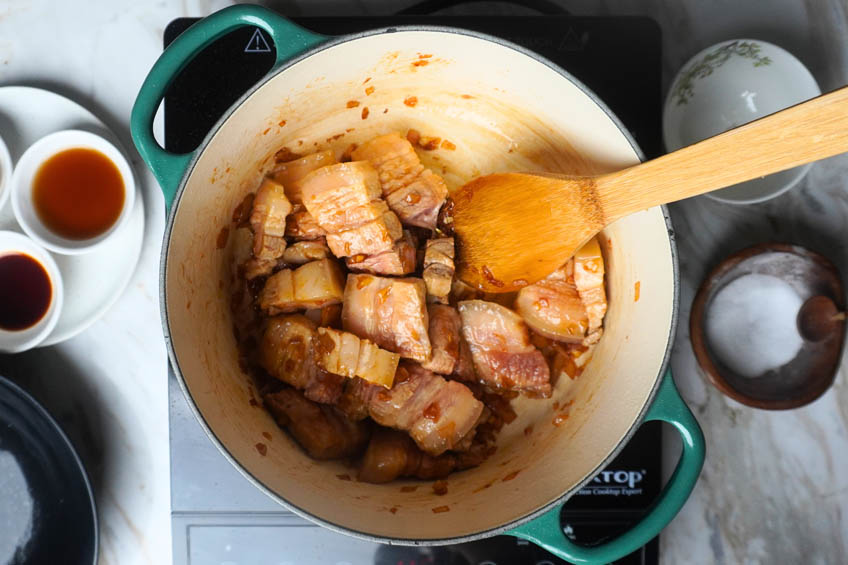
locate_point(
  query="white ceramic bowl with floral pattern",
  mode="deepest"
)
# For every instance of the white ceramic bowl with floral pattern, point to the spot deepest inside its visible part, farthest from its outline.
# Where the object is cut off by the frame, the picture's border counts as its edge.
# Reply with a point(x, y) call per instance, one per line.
point(729, 84)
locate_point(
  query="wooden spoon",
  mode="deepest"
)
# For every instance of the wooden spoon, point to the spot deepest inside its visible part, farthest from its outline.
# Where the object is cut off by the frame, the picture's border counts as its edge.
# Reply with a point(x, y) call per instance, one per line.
point(819, 318)
point(516, 228)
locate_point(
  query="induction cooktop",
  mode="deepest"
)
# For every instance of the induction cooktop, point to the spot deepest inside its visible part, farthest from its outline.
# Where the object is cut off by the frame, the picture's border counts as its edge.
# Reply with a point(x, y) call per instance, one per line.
point(217, 516)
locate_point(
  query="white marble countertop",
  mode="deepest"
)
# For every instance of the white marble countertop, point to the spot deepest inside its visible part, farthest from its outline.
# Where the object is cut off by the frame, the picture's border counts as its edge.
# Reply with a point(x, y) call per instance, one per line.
point(774, 487)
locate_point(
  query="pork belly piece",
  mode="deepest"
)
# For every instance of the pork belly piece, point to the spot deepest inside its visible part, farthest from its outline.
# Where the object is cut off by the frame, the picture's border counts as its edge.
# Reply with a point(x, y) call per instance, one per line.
point(254, 268)
point(321, 430)
point(291, 174)
point(285, 349)
point(268, 220)
point(243, 262)
point(394, 158)
point(399, 260)
point(332, 190)
point(241, 247)
point(366, 239)
point(278, 294)
point(318, 283)
point(376, 365)
point(324, 387)
point(390, 312)
point(463, 370)
point(504, 358)
point(589, 281)
point(302, 252)
point(439, 267)
point(568, 359)
point(355, 397)
point(328, 317)
point(435, 412)
point(268, 247)
point(313, 285)
point(413, 192)
point(286, 352)
point(461, 291)
point(552, 307)
point(345, 201)
point(392, 454)
point(418, 203)
point(340, 219)
point(300, 225)
point(342, 353)
point(444, 329)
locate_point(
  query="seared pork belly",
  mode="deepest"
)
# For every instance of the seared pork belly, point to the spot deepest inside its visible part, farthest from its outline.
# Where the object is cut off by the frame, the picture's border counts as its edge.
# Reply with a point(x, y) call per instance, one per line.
point(254, 268)
point(243, 260)
point(399, 260)
point(268, 220)
point(268, 248)
point(342, 353)
point(504, 358)
point(313, 285)
point(345, 201)
point(435, 412)
point(367, 239)
point(444, 332)
point(241, 247)
point(286, 352)
point(439, 267)
point(552, 307)
point(589, 281)
point(300, 225)
point(569, 304)
point(356, 396)
point(323, 431)
point(412, 375)
point(390, 312)
point(328, 317)
point(291, 174)
point(413, 192)
point(463, 370)
point(302, 252)
point(392, 454)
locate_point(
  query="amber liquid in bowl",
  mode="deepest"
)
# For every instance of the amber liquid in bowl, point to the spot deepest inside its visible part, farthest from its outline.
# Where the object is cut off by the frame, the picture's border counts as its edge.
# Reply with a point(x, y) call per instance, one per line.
point(25, 291)
point(78, 193)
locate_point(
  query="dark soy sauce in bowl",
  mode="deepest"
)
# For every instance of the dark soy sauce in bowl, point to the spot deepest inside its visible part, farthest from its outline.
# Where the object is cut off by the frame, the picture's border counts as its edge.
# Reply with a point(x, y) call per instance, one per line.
point(25, 291)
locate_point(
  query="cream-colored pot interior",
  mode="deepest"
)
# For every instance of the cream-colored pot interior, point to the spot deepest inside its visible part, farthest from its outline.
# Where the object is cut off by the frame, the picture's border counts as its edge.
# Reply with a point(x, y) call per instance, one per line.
point(503, 110)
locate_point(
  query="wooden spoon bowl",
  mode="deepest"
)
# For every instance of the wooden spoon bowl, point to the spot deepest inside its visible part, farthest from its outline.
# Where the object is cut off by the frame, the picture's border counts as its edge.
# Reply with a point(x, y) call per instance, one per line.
point(513, 229)
point(813, 370)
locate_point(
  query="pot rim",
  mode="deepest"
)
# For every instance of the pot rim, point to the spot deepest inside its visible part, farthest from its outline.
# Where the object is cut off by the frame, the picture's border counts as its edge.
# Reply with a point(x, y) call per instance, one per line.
point(172, 356)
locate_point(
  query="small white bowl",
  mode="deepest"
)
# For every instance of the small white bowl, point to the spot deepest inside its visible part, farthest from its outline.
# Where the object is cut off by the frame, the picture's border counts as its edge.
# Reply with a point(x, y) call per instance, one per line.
point(730, 84)
point(17, 341)
point(5, 173)
point(28, 165)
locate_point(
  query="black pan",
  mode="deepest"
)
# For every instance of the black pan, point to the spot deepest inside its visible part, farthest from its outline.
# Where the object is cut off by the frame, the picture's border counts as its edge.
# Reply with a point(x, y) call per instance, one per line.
point(47, 512)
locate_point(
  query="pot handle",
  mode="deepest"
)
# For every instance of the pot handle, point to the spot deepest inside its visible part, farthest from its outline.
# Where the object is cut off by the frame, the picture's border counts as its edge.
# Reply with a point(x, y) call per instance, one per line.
point(545, 531)
point(169, 168)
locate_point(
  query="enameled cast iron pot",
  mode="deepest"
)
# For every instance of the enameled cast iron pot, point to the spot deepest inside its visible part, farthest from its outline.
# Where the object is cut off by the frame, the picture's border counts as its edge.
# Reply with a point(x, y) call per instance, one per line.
point(504, 108)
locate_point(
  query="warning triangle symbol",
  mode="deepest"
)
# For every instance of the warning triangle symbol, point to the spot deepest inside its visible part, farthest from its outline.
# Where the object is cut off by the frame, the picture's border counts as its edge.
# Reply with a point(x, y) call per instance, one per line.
point(257, 43)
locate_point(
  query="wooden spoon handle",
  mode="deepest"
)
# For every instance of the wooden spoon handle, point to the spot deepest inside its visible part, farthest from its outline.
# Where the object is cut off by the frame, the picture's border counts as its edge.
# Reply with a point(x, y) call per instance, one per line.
point(797, 135)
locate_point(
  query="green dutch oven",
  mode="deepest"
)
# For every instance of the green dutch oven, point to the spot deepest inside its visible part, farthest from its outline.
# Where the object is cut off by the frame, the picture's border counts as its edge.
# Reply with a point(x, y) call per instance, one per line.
point(503, 108)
